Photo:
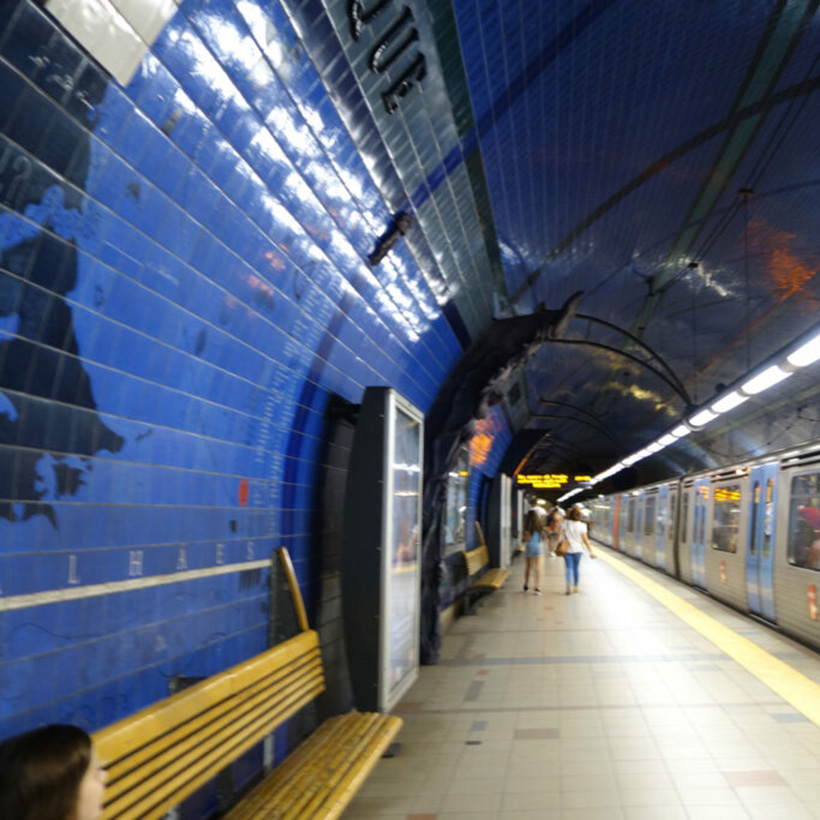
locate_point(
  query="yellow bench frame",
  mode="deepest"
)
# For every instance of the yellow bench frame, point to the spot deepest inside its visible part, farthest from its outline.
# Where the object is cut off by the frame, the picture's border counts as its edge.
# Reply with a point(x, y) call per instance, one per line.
point(476, 560)
point(162, 754)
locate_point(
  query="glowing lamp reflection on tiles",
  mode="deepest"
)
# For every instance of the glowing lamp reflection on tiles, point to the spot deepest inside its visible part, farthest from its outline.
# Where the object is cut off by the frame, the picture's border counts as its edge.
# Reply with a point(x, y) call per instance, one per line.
point(680, 431)
point(768, 378)
point(702, 418)
point(806, 354)
point(728, 402)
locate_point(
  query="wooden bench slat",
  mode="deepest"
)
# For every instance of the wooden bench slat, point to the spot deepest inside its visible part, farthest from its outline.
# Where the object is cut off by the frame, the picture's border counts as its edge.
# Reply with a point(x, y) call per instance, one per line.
point(380, 737)
point(319, 778)
point(172, 748)
point(162, 796)
point(295, 775)
point(171, 775)
point(119, 740)
point(186, 740)
point(476, 559)
point(286, 786)
point(294, 782)
point(493, 579)
point(339, 755)
point(322, 753)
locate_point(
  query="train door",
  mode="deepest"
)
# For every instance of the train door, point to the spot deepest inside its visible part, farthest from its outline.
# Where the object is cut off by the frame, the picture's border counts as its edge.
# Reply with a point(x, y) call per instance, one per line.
point(616, 522)
point(670, 565)
point(660, 527)
point(760, 554)
point(683, 549)
point(698, 535)
point(637, 536)
point(650, 506)
point(600, 524)
point(628, 524)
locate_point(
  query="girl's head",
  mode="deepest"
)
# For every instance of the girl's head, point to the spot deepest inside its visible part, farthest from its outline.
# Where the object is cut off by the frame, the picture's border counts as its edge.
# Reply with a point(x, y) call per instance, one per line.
point(534, 522)
point(575, 514)
point(51, 773)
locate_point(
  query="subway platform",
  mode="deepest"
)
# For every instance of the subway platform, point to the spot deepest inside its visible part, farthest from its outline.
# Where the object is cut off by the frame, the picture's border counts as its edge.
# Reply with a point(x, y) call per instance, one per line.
point(636, 699)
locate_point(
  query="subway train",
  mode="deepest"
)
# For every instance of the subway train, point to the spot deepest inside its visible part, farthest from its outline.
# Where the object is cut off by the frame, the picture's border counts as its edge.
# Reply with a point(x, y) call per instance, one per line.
point(749, 534)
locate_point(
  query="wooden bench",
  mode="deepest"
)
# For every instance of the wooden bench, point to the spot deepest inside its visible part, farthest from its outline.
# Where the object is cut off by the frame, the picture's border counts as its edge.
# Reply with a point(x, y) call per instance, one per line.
point(476, 560)
point(162, 754)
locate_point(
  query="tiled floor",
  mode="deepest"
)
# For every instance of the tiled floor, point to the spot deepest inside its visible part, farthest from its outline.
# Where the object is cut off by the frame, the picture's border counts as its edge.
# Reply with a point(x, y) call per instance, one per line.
point(597, 705)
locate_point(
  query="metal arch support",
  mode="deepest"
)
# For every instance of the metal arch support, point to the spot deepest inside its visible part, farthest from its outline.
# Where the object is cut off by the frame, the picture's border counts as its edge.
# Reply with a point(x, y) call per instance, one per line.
point(672, 380)
point(678, 388)
point(575, 408)
point(597, 426)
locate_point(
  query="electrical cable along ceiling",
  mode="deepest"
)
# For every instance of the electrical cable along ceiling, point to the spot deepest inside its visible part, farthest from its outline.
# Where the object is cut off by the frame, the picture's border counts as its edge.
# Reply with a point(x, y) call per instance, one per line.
point(662, 158)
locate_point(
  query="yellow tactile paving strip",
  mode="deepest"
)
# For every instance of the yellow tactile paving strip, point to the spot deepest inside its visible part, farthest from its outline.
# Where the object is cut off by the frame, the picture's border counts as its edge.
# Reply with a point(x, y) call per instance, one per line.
point(794, 687)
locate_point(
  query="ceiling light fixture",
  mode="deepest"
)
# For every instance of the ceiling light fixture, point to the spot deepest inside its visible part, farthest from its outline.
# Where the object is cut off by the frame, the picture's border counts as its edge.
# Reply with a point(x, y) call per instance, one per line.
point(702, 418)
point(803, 352)
point(729, 402)
point(763, 381)
point(807, 354)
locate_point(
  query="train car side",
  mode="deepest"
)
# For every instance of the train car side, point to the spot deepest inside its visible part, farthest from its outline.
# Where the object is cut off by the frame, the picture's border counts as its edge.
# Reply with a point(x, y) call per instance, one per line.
point(748, 535)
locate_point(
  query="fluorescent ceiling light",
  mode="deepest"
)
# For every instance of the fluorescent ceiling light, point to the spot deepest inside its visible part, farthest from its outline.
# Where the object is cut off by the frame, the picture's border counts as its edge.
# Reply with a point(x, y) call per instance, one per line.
point(655, 447)
point(806, 354)
point(702, 418)
point(680, 431)
point(768, 378)
point(667, 440)
point(729, 402)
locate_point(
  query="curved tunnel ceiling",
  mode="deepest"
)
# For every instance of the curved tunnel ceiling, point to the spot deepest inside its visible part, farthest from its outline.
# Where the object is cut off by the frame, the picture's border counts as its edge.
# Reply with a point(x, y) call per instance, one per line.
point(663, 159)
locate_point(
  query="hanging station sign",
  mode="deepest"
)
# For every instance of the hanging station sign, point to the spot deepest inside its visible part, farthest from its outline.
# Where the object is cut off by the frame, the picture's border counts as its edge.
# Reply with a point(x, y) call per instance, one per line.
point(549, 481)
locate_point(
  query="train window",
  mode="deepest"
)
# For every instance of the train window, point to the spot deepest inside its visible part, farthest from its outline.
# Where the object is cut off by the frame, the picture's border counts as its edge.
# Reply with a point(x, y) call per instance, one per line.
point(768, 518)
point(726, 517)
point(755, 510)
point(630, 516)
point(804, 521)
point(684, 517)
point(649, 520)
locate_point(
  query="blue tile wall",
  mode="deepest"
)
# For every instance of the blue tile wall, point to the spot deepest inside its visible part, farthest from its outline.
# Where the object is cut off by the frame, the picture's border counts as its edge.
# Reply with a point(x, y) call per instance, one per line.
point(183, 286)
point(565, 88)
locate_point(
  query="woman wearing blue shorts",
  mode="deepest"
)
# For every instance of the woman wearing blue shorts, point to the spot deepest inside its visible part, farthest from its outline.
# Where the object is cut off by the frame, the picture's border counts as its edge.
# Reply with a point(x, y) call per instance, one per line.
point(533, 536)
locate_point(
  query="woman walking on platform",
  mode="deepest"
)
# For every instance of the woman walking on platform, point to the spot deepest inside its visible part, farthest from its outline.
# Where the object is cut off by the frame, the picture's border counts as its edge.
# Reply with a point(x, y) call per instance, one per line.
point(533, 532)
point(555, 529)
point(575, 531)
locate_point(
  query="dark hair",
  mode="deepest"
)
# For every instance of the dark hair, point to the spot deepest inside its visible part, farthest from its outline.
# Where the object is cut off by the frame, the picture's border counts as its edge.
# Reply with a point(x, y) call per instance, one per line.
point(534, 522)
point(575, 514)
point(41, 772)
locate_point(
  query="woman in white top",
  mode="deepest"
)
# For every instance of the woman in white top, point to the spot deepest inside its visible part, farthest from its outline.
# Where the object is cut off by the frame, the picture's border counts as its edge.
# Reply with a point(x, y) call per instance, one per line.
point(575, 531)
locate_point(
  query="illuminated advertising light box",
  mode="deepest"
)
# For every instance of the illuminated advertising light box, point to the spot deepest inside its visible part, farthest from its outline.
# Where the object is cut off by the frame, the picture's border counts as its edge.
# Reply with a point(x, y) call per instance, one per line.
point(381, 558)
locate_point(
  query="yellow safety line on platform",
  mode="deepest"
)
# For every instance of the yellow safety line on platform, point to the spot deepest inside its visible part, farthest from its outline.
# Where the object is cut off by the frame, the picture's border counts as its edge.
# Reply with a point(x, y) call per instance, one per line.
point(794, 687)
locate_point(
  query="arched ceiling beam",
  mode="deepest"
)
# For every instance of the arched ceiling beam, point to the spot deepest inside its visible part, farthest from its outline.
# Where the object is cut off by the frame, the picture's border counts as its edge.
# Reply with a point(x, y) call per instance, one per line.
point(679, 389)
point(599, 428)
